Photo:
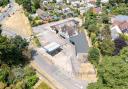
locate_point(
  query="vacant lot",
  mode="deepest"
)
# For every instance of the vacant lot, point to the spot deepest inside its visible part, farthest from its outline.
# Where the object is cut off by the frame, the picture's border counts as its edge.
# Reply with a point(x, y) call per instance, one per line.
point(18, 23)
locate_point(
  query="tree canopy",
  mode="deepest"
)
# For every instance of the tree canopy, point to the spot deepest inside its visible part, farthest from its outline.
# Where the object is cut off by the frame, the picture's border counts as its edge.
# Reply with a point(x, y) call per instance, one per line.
point(113, 72)
point(4, 2)
point(29, 5)
point(14, 71)
point(94, 56)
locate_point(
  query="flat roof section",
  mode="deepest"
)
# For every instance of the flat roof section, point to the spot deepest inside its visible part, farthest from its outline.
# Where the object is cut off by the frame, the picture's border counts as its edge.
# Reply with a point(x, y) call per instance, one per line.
point(80, 43)
point(51, 47)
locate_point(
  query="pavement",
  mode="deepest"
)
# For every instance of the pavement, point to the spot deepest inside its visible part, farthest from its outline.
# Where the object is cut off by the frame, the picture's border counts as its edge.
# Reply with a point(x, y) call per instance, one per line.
point(66, 58)
point(65, 81)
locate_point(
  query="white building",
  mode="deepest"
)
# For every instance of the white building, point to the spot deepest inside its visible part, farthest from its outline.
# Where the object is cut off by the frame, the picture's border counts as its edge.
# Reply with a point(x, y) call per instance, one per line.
point(119, 25)
point(59, 1)
point(104, 1)
point(115, 31)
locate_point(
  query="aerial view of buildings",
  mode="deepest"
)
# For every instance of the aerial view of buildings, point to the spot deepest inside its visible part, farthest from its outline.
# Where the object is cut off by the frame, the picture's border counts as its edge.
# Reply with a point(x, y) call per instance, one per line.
point(63, 44)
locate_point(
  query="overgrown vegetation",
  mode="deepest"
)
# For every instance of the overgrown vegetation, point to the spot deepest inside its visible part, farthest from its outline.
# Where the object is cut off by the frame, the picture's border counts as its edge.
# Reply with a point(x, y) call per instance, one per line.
point(44, 86)
point(37, 42)
point(29, 5)
point(113, 60)
point(3, 3)
point(14, 71)
point(113, 72)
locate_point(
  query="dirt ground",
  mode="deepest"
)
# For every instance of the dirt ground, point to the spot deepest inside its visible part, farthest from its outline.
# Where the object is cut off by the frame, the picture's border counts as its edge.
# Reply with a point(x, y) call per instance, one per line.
point(18, 23)
point(87, 72)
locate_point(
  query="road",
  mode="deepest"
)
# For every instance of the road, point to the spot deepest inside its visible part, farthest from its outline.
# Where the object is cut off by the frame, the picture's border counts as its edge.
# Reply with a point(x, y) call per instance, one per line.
point(11, 9)
point(62, 79)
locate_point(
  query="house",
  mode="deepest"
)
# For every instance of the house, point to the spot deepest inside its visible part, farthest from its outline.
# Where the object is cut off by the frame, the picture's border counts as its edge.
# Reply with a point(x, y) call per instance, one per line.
point(67, 29)
point(82, 10)
point(46, 1)
point(115, 31)
point(104, 1)
point(34, 15)
point(76, 4)
point(65, 10)
point(119, 18)
point(59, 1)
point(70, 1)
point(119, 26)
point(44, 15)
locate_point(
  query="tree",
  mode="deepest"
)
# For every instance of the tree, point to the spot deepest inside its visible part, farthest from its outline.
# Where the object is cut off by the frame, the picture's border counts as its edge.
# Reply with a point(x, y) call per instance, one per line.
point(14, 72)
point(98, 2)
point(105, 32)
point(0, 29)
point(36, 3)
point(124, 54)
point(121, 9)
point(26, 4)
point(105, 19)
point(4, 71)
point(94, 56)
point(11, 49)
point(119, 44)
point(19, 42)
point(92, 28)
point(107, 47)
point(3, 3)
point(30, 81)
point(113, 74)
point(90, 18)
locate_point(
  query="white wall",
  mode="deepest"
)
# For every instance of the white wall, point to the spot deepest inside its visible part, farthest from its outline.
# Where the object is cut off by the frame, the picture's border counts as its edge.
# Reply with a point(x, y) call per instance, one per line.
point(115, 31)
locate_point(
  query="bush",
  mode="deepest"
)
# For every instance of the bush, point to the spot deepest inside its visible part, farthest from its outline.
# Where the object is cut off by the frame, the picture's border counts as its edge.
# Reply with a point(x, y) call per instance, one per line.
point(36, 40)
point(31, 81)
point(94, 56)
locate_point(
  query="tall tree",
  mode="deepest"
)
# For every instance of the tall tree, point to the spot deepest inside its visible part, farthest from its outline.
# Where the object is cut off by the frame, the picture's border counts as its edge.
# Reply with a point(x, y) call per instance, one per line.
point(94, 56)
point(113, 72)
point(107, 47)
point(0, 29)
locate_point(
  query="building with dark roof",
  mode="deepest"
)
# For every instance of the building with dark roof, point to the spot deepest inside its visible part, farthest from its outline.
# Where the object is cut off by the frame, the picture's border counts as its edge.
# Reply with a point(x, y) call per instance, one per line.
point(80, 43)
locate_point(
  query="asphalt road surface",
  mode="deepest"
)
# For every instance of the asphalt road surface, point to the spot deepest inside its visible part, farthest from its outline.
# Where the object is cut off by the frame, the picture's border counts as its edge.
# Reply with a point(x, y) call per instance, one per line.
point(53, 71)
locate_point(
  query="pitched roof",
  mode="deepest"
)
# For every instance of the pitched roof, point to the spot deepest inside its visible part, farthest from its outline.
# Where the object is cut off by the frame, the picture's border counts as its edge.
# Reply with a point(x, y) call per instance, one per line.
point(123, 25)
point(120, 18)
point(121, 21)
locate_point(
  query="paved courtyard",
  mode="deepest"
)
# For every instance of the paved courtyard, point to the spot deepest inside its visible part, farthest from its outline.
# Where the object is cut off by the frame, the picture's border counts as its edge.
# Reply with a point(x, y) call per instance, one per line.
point(61, 59)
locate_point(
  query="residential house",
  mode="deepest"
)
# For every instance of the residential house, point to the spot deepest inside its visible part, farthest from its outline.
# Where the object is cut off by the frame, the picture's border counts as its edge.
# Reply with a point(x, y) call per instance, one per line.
point(67, 29)
point(75, 4)
point(44, 15)
point(59, 1)
point(119, 25)
point(104, 1)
